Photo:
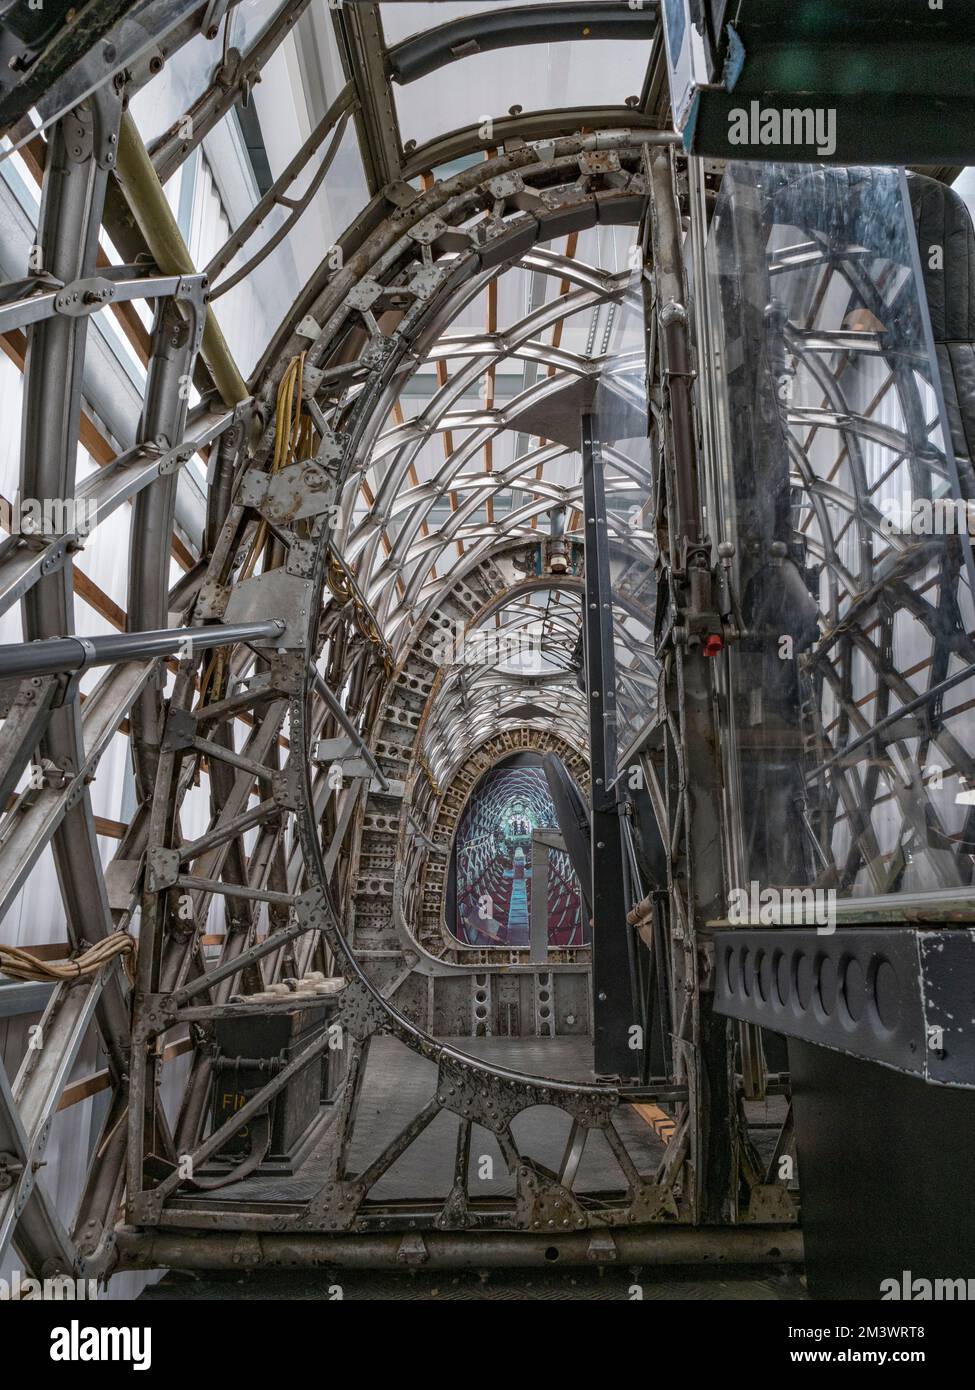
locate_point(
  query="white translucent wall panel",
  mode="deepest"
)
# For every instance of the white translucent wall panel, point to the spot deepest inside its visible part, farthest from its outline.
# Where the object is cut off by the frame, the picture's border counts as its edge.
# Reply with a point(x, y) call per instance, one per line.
point(74, 1133)
point(36, 916)
point(11, 396)
point(247, 320)
point(287, 121)
point(105, 557)
point(214, 189)
point(113, 381)
point(90, 623)
point(106, 791)
point(176, 571)
point(250, 312)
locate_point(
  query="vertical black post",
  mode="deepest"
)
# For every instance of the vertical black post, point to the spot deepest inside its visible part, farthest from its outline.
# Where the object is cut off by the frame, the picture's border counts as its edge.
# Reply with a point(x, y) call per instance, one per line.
point(613, 1014)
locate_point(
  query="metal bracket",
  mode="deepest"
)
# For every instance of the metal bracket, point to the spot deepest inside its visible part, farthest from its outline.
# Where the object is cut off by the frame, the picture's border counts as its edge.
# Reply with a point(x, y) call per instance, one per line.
point(170, 460)
point(213, 599)
point(770, 1204)
point(284, 788)
point(602, 1248)
point(400, 193)
point(73, 682)
point(301, 557)
point(331, 450)
point(10, 1170)
point(426, 281)
point(286, 671)
point(162, 868)
point(267, 596)
point(91, 130)
point(376, 351)
point(192, 290)
point(294, 492)
point(180, 731)
point(542, 1202)
point(428, 230)
point(412, 1249)
point(330, 750)
point(364, 295)
point(84, 297)
point(215, 12)
point(311, 380)
point(359, 1011)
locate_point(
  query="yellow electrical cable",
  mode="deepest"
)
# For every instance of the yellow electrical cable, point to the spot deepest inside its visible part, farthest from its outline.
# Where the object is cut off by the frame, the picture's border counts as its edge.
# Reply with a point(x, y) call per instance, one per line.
point(294, 439)
point(288, 429)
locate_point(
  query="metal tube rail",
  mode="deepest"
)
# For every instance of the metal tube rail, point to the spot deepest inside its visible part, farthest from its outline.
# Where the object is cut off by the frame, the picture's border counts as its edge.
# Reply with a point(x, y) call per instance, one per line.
point(461, 1249)
point(62, 654)
point(83, 297)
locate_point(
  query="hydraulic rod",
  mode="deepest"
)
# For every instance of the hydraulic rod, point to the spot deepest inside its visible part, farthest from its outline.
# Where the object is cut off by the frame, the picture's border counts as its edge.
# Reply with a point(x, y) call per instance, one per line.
point(61, 654)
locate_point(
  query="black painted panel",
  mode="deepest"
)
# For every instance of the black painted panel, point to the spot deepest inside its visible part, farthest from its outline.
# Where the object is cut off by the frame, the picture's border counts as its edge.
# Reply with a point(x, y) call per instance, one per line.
point(901, 996)
point(885, 1173)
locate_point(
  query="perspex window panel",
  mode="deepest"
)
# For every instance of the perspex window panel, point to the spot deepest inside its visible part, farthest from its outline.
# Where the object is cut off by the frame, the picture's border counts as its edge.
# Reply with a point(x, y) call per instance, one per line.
point(852, 690)
point(541, 77)
point(622, 428)
point(134, 36)
point(250, 19)
point(178, 84)
point(401, 21)
point(175, 88)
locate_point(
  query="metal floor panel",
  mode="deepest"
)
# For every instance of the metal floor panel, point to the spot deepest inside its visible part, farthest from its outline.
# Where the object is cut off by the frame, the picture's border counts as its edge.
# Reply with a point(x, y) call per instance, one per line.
point(398, 1084)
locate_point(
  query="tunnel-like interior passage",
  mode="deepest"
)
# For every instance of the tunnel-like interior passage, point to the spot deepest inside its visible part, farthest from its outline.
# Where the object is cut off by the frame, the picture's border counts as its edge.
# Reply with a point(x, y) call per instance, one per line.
point(487, 669)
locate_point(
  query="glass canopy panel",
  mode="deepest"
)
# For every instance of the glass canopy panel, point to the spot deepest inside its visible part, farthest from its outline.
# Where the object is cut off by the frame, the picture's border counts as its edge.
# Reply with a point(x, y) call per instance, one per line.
point(536, 77)
point(851, 691)
point(402, 21)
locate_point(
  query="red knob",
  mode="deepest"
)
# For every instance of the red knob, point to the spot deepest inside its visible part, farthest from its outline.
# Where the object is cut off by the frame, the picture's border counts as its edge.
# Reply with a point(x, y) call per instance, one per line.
point(712, 644)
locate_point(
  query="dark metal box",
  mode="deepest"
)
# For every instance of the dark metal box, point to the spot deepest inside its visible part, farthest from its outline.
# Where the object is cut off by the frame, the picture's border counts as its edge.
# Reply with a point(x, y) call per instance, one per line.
point(252, 1050)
